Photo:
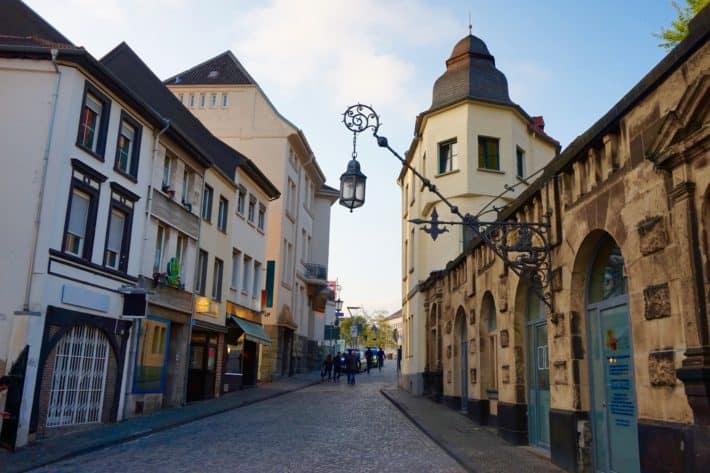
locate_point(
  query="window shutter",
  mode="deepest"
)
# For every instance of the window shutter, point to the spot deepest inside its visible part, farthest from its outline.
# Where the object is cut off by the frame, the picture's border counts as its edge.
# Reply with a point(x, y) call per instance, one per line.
point(79, 213)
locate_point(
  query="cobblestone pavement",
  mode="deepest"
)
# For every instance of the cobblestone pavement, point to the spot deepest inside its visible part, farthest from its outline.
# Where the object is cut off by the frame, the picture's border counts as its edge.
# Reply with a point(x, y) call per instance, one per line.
point(324, 428)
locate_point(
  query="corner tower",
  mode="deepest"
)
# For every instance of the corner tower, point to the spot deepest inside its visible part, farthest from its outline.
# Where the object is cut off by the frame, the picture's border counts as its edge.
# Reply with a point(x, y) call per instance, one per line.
point(471, 143)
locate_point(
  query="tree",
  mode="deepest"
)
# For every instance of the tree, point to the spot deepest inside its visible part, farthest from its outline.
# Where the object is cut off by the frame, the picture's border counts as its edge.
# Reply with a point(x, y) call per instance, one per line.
point(368, 337)
point(679, 26)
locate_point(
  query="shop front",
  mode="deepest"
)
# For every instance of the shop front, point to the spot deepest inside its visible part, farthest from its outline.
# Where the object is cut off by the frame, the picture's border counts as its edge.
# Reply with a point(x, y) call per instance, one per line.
point(205, 360)
point(244, 335)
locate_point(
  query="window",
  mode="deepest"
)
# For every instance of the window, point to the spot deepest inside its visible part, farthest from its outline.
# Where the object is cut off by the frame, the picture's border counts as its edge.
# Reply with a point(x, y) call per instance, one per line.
point(161, 243)
point(168, 163)
point(225, 102)
point(153, 336)
point(202, 100)
point(284, 262)
point(201, 282)
point(236, 268)
point(291, 263)
point(291, 198)
point(207, 203)
point(187, 180)
point(213, 100)
point(424, 165)
point(252, 209)
point(520, 161)
point(181, 253)
point(246, 278)
point(81, 210)
point(241, 198)
point(118, 239)
point(413, 189)
point(222, 214)
point(217, 279)
point(181, 97)
point(447, 155)
point(256, 286)
point(75, 236)
point(303, 245)
point(93, 121)
point(292, 157)
point(192, 100)
point(128, 146)
point(488, 157)
point(412, 253)
point(262, 217)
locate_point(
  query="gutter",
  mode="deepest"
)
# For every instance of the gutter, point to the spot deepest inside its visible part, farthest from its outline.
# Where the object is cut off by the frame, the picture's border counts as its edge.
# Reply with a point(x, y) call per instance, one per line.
point(40, 199)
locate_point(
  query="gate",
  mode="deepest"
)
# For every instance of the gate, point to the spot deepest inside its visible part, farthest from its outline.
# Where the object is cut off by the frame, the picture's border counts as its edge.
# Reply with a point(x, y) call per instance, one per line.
point(79, 378)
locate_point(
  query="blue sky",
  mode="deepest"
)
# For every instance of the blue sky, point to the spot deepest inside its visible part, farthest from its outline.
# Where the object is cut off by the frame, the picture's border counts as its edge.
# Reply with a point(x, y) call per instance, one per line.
point(569, 61)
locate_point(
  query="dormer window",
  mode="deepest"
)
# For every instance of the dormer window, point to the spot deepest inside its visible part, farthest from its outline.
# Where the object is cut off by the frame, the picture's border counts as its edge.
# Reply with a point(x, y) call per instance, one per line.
point(213, 74)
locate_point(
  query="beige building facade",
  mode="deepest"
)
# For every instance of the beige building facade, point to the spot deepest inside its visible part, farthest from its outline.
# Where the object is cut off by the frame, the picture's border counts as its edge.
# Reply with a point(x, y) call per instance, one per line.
point(614, 375)
point(230, 103)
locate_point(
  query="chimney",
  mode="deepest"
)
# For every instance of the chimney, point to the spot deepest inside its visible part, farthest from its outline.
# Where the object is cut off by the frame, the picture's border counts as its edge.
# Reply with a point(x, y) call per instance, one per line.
point(539, 122)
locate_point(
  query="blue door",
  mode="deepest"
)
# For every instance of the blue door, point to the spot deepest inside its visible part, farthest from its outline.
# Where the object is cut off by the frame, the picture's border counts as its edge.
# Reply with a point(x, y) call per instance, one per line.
point(613, 394)
point(538, 374)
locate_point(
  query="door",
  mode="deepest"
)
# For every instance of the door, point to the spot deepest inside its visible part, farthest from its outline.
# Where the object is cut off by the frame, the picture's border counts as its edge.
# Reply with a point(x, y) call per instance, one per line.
point(613, 393)
point(79, 378)
point(538, 385)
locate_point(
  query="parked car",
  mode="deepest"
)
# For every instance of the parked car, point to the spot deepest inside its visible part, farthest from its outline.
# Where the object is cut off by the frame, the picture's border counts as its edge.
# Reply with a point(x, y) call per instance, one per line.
point(360, 356)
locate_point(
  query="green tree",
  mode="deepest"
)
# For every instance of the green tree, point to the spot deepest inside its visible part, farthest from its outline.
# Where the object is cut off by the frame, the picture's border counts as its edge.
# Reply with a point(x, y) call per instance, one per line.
point(383, 337)
point(348, 322)
point(679, 27)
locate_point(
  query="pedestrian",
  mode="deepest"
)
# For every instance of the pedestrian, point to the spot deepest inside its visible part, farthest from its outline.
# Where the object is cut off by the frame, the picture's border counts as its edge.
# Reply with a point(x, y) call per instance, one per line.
point(352, 367)
point(399, 358)
point(327, 368)
point(368, 359)
point(380, 358)
point(338, 364)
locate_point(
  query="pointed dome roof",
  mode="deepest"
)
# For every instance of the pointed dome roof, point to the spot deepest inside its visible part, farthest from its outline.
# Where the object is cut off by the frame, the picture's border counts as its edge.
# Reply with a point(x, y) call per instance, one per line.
point(470, 73)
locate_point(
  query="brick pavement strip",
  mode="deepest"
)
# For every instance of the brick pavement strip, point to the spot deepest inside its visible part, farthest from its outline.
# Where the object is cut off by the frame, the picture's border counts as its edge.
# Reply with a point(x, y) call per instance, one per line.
point(476, 448)
point(323, 428)
point(63, 447)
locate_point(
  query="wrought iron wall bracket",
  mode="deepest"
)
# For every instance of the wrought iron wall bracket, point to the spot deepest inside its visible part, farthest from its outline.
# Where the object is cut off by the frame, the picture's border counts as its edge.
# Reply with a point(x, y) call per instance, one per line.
point(524, 247)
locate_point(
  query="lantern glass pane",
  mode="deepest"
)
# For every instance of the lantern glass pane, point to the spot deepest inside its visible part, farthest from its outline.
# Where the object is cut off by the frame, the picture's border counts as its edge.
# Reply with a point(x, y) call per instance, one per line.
point(360, 191)
point(348, 190)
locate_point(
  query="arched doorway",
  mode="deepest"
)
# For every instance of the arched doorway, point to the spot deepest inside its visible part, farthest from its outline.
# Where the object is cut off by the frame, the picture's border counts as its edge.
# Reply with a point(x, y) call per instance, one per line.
point(489, 347)
point(461, 357)
point(79, 378)
point(611, 363)
point(538, 371)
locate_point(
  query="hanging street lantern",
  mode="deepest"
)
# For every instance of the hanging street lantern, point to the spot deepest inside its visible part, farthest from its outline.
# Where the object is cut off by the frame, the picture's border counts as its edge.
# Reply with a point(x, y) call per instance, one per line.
point(352, 185)
point(523, 246)
point(338, 305)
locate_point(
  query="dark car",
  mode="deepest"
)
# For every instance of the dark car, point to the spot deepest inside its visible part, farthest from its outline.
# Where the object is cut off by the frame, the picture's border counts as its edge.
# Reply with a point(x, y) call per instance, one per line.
point(359, 356)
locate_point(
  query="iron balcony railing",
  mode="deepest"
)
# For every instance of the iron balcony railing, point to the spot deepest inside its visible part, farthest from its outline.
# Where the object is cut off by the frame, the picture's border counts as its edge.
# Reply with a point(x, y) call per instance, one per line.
point(316, 271)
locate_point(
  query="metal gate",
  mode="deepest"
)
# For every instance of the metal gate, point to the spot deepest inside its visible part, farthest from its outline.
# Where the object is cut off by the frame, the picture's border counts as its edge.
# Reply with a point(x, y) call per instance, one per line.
point(79, 378)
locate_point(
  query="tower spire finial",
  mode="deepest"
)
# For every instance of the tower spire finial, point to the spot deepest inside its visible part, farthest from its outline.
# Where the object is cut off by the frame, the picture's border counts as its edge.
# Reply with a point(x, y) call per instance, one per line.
point(470, 27)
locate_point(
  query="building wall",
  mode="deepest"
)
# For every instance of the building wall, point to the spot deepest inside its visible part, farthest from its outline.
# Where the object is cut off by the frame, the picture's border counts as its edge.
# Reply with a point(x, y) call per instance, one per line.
point(644, 182)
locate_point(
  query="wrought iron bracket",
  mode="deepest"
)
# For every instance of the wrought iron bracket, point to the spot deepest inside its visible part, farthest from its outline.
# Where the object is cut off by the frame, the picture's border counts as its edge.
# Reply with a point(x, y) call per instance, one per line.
point(524, 247)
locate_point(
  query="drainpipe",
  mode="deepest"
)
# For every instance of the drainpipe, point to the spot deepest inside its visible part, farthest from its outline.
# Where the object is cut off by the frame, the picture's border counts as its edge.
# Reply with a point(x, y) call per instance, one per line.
point(40, 198)
point(149, 202)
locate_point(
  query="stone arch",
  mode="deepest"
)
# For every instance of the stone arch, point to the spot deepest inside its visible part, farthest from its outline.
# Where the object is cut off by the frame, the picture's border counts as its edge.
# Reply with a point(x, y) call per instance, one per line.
point(488, 336)
point(460, 343)
point(433, 338)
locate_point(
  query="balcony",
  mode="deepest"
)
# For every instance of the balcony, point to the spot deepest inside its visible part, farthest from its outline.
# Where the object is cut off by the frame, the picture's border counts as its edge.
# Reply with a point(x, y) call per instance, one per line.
point(317, 273)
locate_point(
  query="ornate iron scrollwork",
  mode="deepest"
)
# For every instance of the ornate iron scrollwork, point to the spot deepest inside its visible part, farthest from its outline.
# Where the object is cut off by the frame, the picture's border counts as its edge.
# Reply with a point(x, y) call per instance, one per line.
point(524, 247)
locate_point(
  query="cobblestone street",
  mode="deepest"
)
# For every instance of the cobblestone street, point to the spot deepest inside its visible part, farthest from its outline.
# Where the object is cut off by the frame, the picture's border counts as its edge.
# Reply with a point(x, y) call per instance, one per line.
point(326, 427)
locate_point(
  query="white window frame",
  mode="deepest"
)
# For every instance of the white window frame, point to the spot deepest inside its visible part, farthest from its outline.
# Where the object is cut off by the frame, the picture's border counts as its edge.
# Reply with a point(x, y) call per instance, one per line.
point(236, 269)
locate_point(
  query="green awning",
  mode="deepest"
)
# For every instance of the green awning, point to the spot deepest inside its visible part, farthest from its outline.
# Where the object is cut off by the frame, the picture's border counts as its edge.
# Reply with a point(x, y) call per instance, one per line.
point(252, 331)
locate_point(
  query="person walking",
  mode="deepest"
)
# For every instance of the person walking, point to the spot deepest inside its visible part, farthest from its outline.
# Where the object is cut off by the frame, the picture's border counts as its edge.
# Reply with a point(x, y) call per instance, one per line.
point(399, 358)
point(368, 359)
point(327, 368)
point(352, 367)
point(338, 365)
point(380, 358)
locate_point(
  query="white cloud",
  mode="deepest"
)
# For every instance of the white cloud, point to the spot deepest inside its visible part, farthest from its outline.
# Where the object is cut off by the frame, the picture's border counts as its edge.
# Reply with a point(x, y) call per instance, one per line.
point(355, 49)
